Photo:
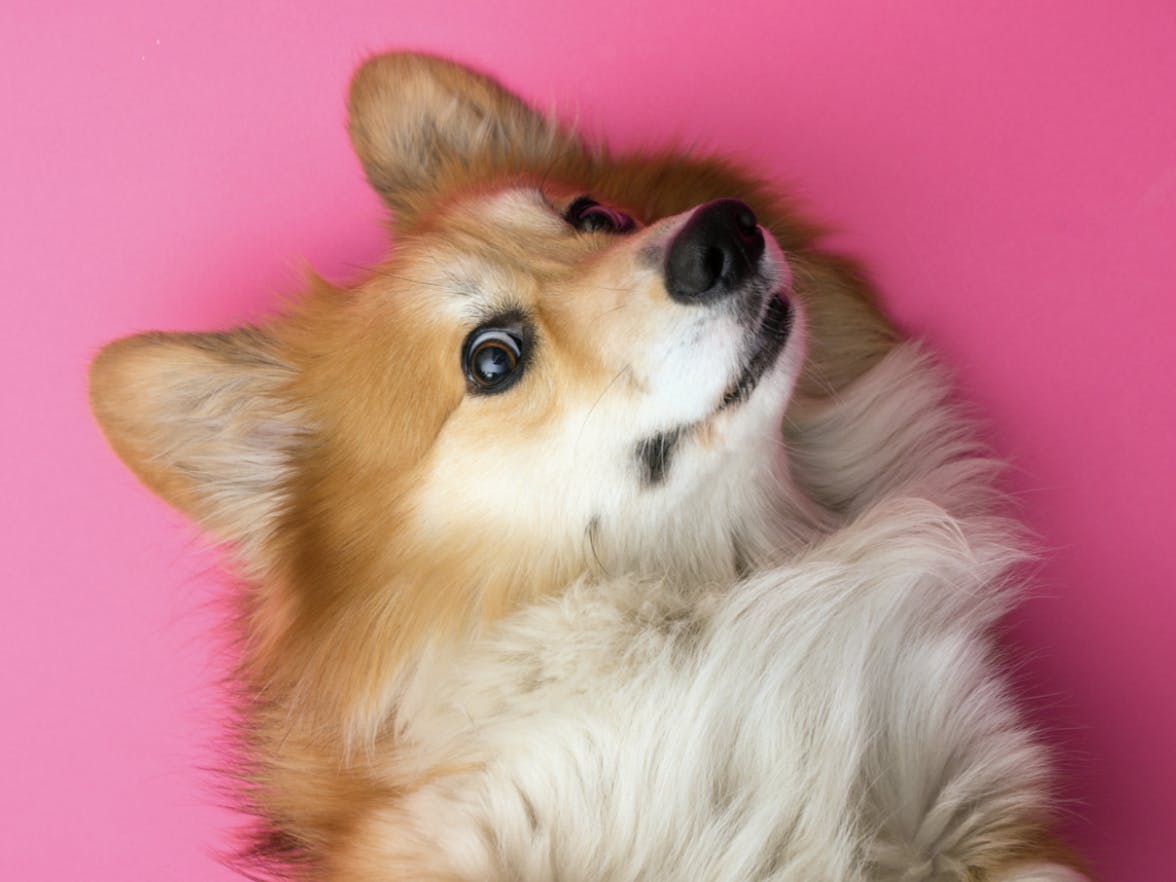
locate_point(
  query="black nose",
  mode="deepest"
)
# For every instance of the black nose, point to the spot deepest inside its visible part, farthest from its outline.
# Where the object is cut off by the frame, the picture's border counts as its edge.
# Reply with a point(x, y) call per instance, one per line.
point(716, 251)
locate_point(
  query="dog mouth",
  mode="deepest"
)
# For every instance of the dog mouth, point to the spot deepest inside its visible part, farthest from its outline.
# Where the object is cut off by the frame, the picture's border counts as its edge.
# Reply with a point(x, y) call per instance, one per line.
point(773, 332)
point(655, 454)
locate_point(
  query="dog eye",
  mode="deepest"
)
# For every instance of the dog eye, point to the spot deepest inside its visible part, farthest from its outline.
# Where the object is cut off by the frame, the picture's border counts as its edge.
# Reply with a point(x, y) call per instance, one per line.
point(589, 216)
point(492, 359)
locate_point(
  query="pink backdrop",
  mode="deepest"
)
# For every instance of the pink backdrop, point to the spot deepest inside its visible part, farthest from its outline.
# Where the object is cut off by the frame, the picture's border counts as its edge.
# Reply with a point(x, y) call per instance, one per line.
point(1008, 172)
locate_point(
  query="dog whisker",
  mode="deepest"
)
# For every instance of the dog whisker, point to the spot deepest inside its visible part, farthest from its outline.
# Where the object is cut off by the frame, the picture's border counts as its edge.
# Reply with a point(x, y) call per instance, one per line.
point(620, 373)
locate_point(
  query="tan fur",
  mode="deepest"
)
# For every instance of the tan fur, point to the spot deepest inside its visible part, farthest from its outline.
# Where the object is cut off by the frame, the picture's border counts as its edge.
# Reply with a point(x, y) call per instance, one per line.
point(1033, 845)
point(358, 385)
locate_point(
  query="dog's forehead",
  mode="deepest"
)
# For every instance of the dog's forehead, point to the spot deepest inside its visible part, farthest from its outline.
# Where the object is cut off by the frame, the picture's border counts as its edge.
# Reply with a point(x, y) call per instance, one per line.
point(476, 284)
point(524, 209)
point(521, 216)
point(498, 250)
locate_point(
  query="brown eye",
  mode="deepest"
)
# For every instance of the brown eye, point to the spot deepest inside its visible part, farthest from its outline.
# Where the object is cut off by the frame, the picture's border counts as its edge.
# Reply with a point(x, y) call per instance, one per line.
point(589, 216)
point(492, 359)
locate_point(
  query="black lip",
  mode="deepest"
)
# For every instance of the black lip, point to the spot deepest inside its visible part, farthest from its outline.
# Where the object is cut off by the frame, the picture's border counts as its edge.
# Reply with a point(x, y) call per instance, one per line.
point(773, 333)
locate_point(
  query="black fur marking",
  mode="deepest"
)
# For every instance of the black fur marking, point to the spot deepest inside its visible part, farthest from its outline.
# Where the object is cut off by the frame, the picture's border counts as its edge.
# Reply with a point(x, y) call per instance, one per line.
point(655, 455)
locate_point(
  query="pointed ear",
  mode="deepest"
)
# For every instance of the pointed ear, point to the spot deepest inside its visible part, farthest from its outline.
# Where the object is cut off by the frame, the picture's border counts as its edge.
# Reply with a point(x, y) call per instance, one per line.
point(201, 420)
point(422, 125)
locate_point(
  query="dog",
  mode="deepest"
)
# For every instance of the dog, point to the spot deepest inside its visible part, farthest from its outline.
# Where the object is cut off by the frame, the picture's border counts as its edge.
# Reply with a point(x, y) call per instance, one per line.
point(606, 530)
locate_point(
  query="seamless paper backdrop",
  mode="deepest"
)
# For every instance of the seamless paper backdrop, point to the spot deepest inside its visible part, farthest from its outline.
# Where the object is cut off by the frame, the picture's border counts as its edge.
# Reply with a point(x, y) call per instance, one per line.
point(1007, 170)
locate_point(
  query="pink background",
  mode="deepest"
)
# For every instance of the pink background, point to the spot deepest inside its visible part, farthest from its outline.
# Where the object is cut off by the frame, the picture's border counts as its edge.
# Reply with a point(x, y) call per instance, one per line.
point(1008, 171)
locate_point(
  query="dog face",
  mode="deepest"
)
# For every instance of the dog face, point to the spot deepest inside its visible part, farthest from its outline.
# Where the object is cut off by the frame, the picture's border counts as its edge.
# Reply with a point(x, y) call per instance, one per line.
point(603, 385)
point(569, 363)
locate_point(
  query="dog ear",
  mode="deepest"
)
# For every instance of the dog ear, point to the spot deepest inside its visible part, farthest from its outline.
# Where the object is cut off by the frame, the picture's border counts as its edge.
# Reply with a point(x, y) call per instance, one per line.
point(200, 419)
point(422, 125)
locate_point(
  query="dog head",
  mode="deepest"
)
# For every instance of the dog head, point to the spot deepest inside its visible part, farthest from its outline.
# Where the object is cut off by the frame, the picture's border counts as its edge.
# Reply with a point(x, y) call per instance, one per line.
point(569, 363)
point(596, 392)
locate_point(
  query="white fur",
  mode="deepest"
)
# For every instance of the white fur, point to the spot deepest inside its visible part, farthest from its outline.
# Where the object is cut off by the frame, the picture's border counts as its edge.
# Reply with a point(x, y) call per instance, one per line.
point(835, 717)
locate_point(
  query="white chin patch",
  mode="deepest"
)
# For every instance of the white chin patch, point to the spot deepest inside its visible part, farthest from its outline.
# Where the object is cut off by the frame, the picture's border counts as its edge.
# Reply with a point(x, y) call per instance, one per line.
point(749, 411)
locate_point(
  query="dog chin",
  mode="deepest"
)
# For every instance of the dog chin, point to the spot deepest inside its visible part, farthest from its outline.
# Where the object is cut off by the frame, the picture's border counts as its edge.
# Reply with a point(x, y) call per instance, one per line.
point(769, 340)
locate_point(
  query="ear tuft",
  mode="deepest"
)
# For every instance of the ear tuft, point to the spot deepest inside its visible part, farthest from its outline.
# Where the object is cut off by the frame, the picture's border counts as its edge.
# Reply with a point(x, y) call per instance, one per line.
point(422, 125)
point(201, 420)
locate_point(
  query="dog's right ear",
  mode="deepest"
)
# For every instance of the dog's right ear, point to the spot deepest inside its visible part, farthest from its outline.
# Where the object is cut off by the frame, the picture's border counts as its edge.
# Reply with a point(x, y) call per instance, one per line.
point(423, 126)
point(202, 420)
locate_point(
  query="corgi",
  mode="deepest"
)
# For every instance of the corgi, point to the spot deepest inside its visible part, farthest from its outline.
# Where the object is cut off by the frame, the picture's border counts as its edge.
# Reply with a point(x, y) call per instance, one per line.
point(606, 530)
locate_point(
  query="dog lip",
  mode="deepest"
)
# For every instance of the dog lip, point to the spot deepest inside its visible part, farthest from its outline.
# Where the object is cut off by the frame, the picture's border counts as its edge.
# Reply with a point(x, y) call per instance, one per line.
point(773, 333)
point(655, 453)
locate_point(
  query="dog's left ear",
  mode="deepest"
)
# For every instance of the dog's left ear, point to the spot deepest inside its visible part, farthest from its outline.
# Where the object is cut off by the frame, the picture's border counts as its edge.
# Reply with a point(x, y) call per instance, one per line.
point(422, 126)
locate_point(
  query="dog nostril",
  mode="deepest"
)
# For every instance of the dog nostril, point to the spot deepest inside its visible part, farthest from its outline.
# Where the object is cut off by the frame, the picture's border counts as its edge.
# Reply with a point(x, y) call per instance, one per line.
point(713, 262)
point(745, 219)
point(749, 233)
